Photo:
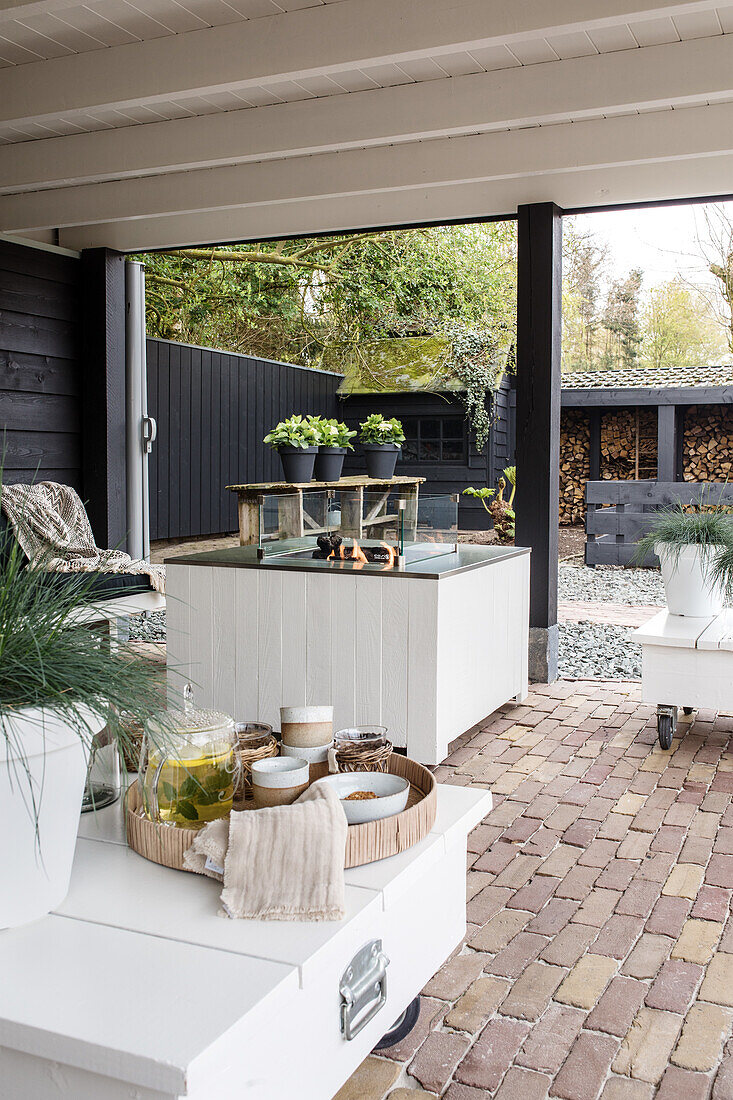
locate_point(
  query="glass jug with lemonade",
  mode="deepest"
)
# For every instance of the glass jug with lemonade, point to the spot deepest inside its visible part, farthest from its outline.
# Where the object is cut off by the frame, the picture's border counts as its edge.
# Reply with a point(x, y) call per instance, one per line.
point(189, 775)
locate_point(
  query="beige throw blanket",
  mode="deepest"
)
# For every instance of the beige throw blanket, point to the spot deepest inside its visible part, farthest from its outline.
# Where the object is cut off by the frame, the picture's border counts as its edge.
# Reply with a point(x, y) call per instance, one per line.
point(284, 863)
point(51, 525)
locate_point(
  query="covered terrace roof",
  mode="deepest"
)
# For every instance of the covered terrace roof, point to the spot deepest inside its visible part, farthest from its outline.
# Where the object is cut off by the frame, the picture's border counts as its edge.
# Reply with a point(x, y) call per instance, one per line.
point(167, 123)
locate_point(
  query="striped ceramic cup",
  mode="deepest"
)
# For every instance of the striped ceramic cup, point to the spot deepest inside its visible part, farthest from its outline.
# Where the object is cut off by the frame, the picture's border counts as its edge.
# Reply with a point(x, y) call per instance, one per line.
point(306, 727)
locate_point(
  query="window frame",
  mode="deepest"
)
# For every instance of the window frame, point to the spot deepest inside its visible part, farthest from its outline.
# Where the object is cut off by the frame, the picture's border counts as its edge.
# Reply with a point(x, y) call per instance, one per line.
point(419, 419)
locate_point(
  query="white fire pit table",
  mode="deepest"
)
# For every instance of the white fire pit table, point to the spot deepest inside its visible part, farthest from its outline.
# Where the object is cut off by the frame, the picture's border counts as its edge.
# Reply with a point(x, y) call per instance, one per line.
point(135, 989)
point(427, 649)
point(688, 662)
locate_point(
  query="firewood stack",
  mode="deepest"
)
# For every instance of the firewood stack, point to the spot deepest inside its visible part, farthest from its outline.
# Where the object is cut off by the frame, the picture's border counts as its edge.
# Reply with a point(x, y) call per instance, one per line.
point(628, 451)
point(574, 465)
point(708, 443)
point(629, 444)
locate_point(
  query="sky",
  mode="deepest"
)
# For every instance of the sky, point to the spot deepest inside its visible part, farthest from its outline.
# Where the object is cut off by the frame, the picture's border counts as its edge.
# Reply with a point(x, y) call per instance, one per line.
point(663, 242)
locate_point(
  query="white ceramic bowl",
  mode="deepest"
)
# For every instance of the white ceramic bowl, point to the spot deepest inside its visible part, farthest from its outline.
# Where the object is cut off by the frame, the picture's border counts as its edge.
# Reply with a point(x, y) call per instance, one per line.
point(392, 792)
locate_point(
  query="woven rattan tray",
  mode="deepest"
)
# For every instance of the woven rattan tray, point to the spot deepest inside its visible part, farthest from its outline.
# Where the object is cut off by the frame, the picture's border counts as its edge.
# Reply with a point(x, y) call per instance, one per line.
point(365, 843)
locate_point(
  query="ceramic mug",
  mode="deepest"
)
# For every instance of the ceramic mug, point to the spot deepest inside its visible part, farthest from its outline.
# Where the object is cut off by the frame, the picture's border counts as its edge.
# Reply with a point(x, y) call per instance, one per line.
point(279, 780)
point(306, 727)
point(317, 759)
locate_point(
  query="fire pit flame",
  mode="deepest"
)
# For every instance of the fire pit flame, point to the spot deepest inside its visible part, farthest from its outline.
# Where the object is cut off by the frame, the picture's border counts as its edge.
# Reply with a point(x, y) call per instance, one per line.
point(358, 555)
point(389, 564)
point(331, 548)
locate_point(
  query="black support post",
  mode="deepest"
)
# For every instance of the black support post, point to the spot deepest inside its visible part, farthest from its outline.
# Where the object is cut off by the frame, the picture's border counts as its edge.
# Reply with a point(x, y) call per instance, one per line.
point(667, 442)
point(104, 477)
point(595, 445)
point(539, 319)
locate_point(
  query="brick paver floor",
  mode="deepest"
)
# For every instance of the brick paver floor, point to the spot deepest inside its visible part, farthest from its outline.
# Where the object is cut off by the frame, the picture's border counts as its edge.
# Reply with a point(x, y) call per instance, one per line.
point(595, 611)
point(598, 960)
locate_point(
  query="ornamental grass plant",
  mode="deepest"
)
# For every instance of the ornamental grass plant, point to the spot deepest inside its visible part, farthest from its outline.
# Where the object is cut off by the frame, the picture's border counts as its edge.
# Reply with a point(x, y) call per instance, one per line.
point(51, 659)
point(677, 526)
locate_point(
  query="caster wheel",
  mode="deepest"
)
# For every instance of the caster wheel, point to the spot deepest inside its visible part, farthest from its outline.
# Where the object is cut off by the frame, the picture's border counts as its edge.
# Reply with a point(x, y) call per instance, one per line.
point(402, 1026)
point(665, 729)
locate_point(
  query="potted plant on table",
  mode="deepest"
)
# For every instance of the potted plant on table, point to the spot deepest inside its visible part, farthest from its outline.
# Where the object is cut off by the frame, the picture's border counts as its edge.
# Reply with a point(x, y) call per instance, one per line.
point(381, 441)
point(334, 440)
point(694, 544)
point(296, 441)
point(60, 684)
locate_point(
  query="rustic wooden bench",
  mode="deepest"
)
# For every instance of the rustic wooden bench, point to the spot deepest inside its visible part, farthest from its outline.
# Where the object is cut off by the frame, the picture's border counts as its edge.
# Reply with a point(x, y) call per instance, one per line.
point(294, 521)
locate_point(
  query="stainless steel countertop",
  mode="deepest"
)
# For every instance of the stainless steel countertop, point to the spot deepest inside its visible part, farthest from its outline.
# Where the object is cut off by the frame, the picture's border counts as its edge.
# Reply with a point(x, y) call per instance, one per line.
point(466, 557)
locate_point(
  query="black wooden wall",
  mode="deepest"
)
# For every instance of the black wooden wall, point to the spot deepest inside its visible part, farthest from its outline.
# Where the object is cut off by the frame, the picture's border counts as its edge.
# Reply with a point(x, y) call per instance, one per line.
point(40, 370)
point(213, 409)
point(482, 468)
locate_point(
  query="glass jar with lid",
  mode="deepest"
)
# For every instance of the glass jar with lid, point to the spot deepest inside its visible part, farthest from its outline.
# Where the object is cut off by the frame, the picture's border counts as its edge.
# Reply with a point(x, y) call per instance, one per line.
point(189, 776)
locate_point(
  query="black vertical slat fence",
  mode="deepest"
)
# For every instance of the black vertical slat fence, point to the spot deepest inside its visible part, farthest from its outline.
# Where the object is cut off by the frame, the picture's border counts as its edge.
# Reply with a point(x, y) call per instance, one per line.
point(213, 409)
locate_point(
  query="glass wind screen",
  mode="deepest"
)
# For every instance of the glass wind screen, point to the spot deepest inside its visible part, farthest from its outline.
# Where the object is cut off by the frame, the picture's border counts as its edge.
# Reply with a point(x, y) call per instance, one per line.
point(338, 524)
point(430, 529)
point(290, 523)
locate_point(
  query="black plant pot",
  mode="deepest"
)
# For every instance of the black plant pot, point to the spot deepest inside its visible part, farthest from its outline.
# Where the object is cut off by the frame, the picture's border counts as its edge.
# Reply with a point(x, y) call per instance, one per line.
point(381, 459)
point(297, 463)
point(329, 463)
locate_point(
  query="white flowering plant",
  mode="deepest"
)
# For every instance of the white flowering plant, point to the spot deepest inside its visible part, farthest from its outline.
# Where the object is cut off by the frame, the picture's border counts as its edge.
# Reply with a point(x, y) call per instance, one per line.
point(332, 433)
point(377, 429)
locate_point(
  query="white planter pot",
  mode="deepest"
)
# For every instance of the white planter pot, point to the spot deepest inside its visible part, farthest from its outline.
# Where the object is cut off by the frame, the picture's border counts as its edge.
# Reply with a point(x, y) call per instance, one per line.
point(687, 586)
point(36, 865)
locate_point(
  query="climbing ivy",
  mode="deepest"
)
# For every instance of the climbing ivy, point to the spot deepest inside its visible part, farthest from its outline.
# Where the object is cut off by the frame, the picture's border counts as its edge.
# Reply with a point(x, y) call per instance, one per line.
point(478, 363)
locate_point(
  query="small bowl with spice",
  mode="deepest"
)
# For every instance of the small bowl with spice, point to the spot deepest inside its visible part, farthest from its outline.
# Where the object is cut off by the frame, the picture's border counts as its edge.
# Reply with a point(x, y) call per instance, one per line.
point(369, 796)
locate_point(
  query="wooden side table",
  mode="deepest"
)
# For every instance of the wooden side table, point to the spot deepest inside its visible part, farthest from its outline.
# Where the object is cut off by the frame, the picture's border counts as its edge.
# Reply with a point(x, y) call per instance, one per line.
point(294, 521)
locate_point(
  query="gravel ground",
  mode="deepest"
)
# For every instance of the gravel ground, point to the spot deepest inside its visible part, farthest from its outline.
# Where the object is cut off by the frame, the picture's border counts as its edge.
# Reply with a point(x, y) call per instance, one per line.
point(610, 584)
point(149, 627)
point(597, 651)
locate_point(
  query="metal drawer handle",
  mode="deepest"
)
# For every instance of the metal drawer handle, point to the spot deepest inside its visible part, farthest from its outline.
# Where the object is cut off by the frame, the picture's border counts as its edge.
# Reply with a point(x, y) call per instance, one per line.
point(363, 988)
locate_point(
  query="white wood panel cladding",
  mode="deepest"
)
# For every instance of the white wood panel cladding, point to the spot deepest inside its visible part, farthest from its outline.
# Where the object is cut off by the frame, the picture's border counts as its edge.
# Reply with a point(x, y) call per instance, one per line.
point(426, 658)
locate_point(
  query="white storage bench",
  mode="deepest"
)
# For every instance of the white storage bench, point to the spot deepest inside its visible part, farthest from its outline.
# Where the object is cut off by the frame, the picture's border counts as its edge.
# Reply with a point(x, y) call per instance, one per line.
point(135, 988)
point(686, 662)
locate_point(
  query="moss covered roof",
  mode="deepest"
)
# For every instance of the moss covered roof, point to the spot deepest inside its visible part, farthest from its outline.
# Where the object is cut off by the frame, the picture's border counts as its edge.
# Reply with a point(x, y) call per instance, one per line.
point(648, 378)
point(403, 364)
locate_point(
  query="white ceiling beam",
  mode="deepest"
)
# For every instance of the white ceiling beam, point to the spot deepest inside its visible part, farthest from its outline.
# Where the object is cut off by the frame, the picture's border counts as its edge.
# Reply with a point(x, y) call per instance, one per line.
point(702, 177)
point(308, 42)
point(630, 140)
point(678, 73)
point(24, 9)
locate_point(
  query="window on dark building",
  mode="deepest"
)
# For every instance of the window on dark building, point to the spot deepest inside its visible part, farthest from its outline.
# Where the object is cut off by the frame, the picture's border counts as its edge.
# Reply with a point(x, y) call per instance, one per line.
point(434, 439)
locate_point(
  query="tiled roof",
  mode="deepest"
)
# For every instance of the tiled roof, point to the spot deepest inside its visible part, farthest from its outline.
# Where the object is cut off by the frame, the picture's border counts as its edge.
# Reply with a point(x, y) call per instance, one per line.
point(648, 378)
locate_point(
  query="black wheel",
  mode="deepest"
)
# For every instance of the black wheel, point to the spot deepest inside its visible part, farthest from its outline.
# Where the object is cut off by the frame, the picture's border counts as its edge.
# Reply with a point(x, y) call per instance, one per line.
point(687, 710)
point(402, 1026)
point(665, 730)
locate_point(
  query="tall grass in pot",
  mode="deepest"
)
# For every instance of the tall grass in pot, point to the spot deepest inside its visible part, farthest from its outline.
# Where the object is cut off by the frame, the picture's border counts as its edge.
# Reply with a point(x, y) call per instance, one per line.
point(691, 541)
point(60, 684)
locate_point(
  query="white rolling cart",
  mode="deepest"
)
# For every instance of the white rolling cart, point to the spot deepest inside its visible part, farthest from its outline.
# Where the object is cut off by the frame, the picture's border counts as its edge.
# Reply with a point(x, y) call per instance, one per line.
point(686, 662)
point(135, 988)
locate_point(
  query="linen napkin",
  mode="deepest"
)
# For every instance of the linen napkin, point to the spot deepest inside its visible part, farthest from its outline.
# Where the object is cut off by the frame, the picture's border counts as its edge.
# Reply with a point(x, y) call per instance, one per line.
point(281, 863)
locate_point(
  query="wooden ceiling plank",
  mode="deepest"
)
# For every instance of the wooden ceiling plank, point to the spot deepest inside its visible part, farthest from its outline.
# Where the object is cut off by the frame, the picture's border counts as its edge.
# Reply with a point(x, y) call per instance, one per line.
point(679, 73)
point(629, 140)
point(470, 201)
point(314, 41)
